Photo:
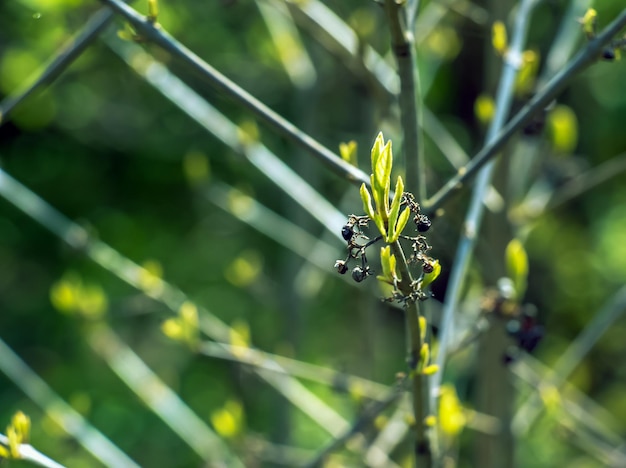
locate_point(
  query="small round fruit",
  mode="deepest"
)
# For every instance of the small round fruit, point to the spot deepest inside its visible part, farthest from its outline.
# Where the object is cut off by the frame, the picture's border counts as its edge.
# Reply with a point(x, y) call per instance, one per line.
point(358, 274)
point(341, 266)
point(347, 232)
point(423, 223)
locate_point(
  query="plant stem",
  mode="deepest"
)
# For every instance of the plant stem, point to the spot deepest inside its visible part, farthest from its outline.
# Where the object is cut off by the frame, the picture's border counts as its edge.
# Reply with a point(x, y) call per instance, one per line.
point(425, 440)
point(403, 46)
point(586, 57)
point(93, 27)
point(610, 312)
point(72, 422)
point(281, 125)
point(369, 414)
point(476, 208)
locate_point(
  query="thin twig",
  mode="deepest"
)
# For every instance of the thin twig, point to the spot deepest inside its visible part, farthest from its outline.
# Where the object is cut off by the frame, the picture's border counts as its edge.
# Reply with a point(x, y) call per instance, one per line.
point(587, 414)
point(403, 47)
point(159, 36)
point(338, 380)
point(586, 57)
point(360, 424)
point(60, 412)
point(169, 295)
point(594, 177)
point(160, 398)
point(389, 437)
point(28, 453)
point(210, 119)
point(425, 439)
point(72, 50)
point(475, 211)
point(573, 355)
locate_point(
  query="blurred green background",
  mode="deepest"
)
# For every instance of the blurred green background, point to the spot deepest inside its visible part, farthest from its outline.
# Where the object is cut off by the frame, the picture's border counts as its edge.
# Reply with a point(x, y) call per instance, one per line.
point(107, 150)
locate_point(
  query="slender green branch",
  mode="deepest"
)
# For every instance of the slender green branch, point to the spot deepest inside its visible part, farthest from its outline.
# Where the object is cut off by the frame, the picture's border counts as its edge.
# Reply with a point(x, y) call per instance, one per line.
point(72, 50)
point(169, 295)
point(360, 424)
point(29, 454)
point(390, 436)
point(156, 34)
point(586, 57)
point(573, 355)
point(475, 211)
point(403, 46)
point(585, 412)
point(60, 412)
point(339, 380)
point(592, 178)
point(210, 119)
point(425, 443)
point(160, 398)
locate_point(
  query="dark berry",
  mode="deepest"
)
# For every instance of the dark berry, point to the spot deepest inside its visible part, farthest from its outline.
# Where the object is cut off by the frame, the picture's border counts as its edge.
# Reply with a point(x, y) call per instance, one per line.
point(358, 274)
point(608, 54)
point(347, 232)
point(423, 223)
point(428, 268)
point(341, 266)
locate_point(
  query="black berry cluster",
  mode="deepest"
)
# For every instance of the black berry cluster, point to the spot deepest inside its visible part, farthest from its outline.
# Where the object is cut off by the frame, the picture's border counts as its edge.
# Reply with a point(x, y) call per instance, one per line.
point(353, 232)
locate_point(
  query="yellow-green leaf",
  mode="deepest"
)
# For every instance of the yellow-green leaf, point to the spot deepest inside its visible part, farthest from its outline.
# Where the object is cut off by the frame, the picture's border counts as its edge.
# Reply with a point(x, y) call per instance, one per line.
point(377, 149)
point(422, 323)
point(394, 210)
point(401, 224)
point(452, 417)
point(589, 22)
point(367, 201)
point(388, 263)
point(563, 129)
point(430, 370)
point(348, 152)
point(517, 266)
point(385, 254)
point(498, 37)
point(424, 355)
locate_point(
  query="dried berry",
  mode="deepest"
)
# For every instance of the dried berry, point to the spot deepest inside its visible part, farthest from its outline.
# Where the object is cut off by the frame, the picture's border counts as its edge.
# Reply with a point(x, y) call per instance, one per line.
point(608, 54)
point(423, 223)
point(347, 232)
point(358, 274)
point(341, 266)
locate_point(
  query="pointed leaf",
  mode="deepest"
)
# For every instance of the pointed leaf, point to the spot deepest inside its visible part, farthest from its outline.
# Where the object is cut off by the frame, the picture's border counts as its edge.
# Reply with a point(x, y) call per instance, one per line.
point(369, 210)
point(377, 194)
point(402, 221)
point(422, 323)
point(377, 149)
point(348, 152)
point(424, 355)
point(517, 266)
point(385, 254)
point(394, 209)
point(430, 370)
point(380, 224)
point(367, 201)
